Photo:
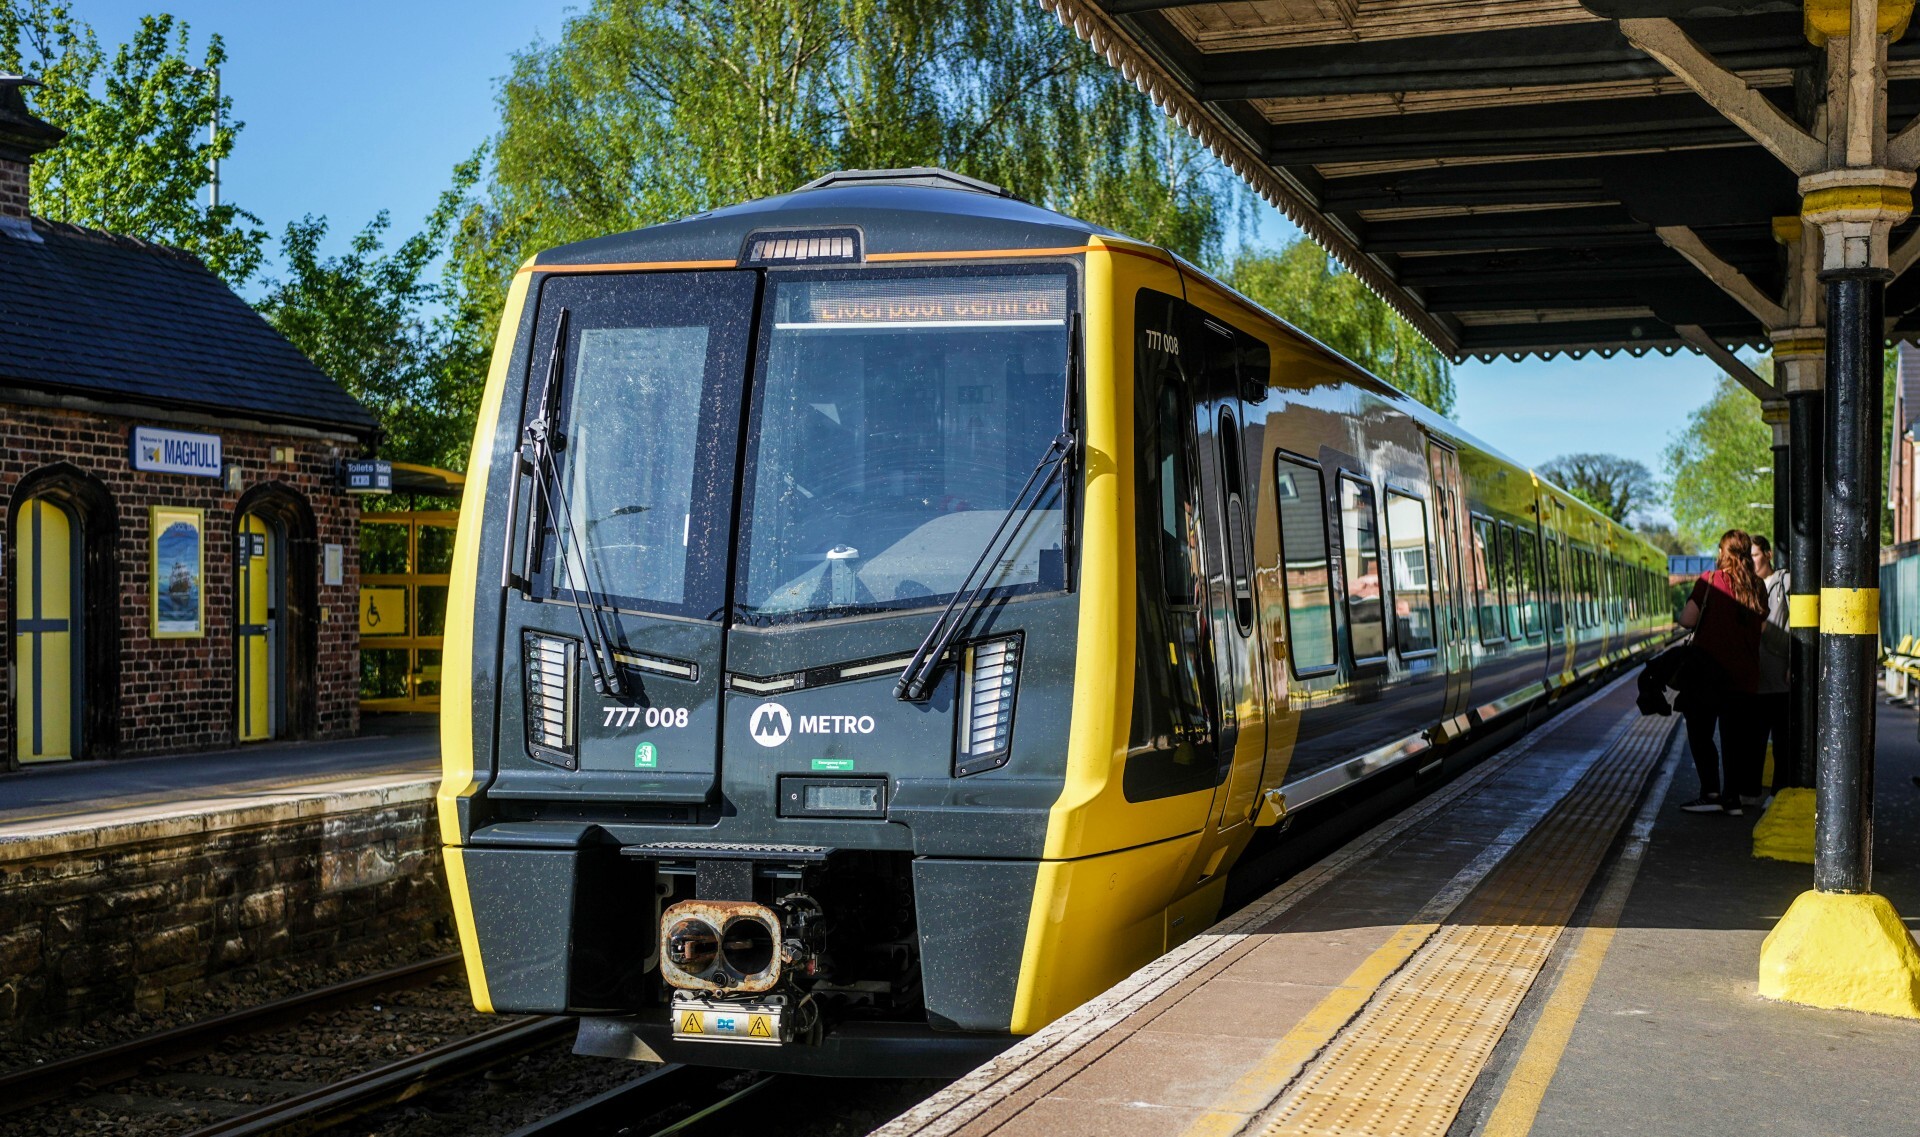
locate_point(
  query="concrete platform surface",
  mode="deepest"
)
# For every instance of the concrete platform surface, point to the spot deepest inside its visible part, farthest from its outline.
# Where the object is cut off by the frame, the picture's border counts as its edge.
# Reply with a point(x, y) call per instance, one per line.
point(1546, 945)
point(71, 792)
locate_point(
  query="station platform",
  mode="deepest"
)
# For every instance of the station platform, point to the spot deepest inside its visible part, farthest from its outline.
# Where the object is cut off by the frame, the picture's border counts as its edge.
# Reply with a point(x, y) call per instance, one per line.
point(1546, 945)
point(72, 795)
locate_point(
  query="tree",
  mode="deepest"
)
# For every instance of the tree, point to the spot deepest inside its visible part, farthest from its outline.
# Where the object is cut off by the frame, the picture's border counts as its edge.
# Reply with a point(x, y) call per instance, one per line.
point(1302, 284)
point(1618, 487)
point(1662, 536)
point(646, 111)
point(1721, 469)
point(136, 157)
point(372, 319)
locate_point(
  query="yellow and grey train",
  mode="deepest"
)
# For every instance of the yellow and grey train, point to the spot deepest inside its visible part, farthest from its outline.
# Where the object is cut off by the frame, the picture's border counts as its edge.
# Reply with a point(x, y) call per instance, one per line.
point(884, 614)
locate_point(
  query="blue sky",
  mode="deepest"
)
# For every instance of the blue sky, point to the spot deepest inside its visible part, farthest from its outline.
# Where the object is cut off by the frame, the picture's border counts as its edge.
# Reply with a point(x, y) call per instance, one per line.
point(353, 106)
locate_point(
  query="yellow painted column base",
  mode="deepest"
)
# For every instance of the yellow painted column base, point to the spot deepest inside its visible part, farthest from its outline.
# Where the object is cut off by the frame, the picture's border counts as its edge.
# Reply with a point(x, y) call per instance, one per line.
point(1843, 951)
point(1785, 830)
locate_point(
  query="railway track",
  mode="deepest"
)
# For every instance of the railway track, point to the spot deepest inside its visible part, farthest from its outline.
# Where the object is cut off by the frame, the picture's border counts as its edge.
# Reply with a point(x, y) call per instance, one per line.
point(33, 1085)
point(665, 1100)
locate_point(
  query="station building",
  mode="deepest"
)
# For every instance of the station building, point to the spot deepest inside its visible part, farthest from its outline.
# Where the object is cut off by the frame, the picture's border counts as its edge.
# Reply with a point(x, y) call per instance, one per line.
point(179, 546)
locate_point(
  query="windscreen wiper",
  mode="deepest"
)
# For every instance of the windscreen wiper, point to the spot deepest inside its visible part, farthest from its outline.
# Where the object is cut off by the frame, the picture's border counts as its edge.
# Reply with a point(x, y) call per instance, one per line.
point(536, 451)
point(925, 664)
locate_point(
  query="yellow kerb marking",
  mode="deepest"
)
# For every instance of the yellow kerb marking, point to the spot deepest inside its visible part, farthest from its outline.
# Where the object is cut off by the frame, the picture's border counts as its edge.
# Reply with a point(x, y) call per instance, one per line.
point(1291, 1054)
point(1849, 611)
point(1803, 611)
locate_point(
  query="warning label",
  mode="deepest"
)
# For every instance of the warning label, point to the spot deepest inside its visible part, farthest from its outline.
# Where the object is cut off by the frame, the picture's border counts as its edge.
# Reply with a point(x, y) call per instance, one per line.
point(690, 1023)
point(760, 1026)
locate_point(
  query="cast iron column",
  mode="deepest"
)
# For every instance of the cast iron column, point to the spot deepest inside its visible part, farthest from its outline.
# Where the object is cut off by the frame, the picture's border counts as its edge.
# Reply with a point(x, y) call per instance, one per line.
point(1849, 580)
point(1806, 451)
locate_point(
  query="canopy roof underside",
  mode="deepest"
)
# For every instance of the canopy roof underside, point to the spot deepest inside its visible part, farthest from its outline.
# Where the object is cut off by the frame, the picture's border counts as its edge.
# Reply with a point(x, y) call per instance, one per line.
point(1496, 169)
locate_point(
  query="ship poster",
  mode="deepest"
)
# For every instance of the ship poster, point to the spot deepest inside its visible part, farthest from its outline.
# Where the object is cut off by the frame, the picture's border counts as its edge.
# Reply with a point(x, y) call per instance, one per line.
point(178, 575)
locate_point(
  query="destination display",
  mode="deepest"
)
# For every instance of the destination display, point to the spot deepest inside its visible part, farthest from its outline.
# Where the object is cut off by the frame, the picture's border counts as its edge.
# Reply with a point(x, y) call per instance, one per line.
point(962, 301)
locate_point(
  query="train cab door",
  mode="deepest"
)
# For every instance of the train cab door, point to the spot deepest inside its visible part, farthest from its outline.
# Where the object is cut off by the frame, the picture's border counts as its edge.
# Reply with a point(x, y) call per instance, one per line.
point(1224, 360)
point(1450, 517)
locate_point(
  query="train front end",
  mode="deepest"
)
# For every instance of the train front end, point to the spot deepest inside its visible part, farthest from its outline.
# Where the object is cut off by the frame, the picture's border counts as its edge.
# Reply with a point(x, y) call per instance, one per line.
point(762, 640)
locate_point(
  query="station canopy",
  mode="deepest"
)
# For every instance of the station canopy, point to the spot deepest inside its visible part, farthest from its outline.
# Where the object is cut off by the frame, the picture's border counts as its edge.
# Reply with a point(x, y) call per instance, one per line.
point(1513, 175)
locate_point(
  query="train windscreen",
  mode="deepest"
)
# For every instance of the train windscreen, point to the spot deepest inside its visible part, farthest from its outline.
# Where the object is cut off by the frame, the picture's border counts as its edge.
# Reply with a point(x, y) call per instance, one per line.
point(896, 417)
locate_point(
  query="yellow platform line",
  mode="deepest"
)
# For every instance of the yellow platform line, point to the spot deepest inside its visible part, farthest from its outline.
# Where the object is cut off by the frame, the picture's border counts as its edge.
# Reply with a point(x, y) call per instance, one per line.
point(1519, 1104)
point(1261, 1084)
point(1405, 1063)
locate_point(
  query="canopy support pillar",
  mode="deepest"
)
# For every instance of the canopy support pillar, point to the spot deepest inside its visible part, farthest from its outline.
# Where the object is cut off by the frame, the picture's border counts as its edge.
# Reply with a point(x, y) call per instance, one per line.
point(1841, 945)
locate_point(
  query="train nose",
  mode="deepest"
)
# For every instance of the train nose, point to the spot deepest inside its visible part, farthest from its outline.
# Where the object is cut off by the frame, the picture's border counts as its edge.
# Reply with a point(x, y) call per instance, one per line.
point(721, 945)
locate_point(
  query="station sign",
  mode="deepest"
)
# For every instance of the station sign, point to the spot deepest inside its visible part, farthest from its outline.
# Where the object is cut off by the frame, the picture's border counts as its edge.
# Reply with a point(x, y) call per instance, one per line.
point(156, 450)
point(366, 475)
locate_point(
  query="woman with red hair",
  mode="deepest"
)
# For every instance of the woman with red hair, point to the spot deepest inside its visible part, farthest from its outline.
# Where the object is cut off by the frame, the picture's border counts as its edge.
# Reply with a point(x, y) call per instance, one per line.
point(1719, 681)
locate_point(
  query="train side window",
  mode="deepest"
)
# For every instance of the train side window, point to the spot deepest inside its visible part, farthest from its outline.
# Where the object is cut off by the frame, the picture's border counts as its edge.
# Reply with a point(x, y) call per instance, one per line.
point(1527, 554)
point(1407, 552)
point(1509, 560)
point(1486, 580)
point(1305, 566)
point(1233, 475)
point(1180, 572)
point(1360, 549)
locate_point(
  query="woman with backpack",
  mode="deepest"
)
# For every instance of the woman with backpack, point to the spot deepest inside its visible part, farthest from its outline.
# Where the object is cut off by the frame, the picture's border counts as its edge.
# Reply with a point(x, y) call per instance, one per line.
point(1720, 678)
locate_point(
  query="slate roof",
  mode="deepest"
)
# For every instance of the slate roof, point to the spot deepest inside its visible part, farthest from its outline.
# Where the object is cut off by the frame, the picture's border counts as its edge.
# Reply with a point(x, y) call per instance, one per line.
point(89, 313)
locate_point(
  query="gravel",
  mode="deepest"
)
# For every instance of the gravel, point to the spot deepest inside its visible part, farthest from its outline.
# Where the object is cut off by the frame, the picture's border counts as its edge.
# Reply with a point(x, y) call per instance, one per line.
point(247, 1072)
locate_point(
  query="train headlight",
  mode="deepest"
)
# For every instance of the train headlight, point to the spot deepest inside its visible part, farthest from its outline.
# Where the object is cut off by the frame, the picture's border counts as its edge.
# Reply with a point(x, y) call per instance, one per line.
point(550, 692)
point(989, 680)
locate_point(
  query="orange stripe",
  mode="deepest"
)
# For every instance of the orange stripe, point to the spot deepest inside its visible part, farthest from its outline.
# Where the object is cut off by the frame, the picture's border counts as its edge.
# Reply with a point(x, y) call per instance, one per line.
point(949, 255)
point(637, 266)
point(979, 254)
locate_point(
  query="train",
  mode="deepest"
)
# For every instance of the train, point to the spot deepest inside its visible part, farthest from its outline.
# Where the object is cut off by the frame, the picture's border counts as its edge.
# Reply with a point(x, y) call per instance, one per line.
point(884, 615)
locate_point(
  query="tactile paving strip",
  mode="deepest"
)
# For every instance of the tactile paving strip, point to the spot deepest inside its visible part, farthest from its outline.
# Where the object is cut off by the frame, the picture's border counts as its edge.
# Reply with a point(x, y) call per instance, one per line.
point(1403, 1066)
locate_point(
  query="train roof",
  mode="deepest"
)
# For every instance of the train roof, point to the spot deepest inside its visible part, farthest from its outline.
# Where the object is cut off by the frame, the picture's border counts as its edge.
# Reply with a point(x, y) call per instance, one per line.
point(896, 211)
point(929, 210)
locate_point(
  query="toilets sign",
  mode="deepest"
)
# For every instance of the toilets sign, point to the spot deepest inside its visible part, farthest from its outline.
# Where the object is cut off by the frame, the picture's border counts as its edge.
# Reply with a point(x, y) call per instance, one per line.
point(159, 451)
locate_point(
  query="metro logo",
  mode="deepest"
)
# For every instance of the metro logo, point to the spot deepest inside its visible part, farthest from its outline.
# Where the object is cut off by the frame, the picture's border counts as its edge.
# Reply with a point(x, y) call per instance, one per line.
point(772, 724)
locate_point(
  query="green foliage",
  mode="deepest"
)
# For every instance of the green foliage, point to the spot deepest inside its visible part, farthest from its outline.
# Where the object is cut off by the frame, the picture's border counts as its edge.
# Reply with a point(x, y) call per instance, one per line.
point(1720, 468)
point(646, 111)
point(372, 319)
point(1618, 487)
point(1715, 464)
point(136, 156)
point(1303, 285)
point(1664, 538)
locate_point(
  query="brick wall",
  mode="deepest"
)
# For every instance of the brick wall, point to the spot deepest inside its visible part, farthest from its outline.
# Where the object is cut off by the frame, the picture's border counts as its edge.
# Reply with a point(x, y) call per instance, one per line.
point(102, 921)
point(13, 188)
point(178, 694)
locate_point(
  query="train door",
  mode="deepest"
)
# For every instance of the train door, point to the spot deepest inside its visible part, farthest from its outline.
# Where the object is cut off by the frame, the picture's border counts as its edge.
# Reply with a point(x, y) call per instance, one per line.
point(257, 630)
point(1450, 519)
point(1219, 414)
point(47, 645)
point(1175, 738)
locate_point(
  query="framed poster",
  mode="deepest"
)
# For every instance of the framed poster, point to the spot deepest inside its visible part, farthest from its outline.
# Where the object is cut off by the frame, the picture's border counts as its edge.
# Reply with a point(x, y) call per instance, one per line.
point(177, 569)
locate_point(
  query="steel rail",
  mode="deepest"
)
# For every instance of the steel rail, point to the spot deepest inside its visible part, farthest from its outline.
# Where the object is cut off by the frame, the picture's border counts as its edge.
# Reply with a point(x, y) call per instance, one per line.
point(623, 1105)
point(31, 1085)
point(384, 1085)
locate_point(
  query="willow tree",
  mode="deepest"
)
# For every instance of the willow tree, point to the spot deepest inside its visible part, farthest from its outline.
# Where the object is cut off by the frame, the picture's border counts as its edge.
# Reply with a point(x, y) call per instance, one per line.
point(641, 112)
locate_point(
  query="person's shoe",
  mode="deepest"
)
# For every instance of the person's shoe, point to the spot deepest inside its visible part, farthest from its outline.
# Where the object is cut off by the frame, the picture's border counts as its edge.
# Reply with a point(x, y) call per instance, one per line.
point(1706, 803)
point(1733, 810)
point(1749, 799)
